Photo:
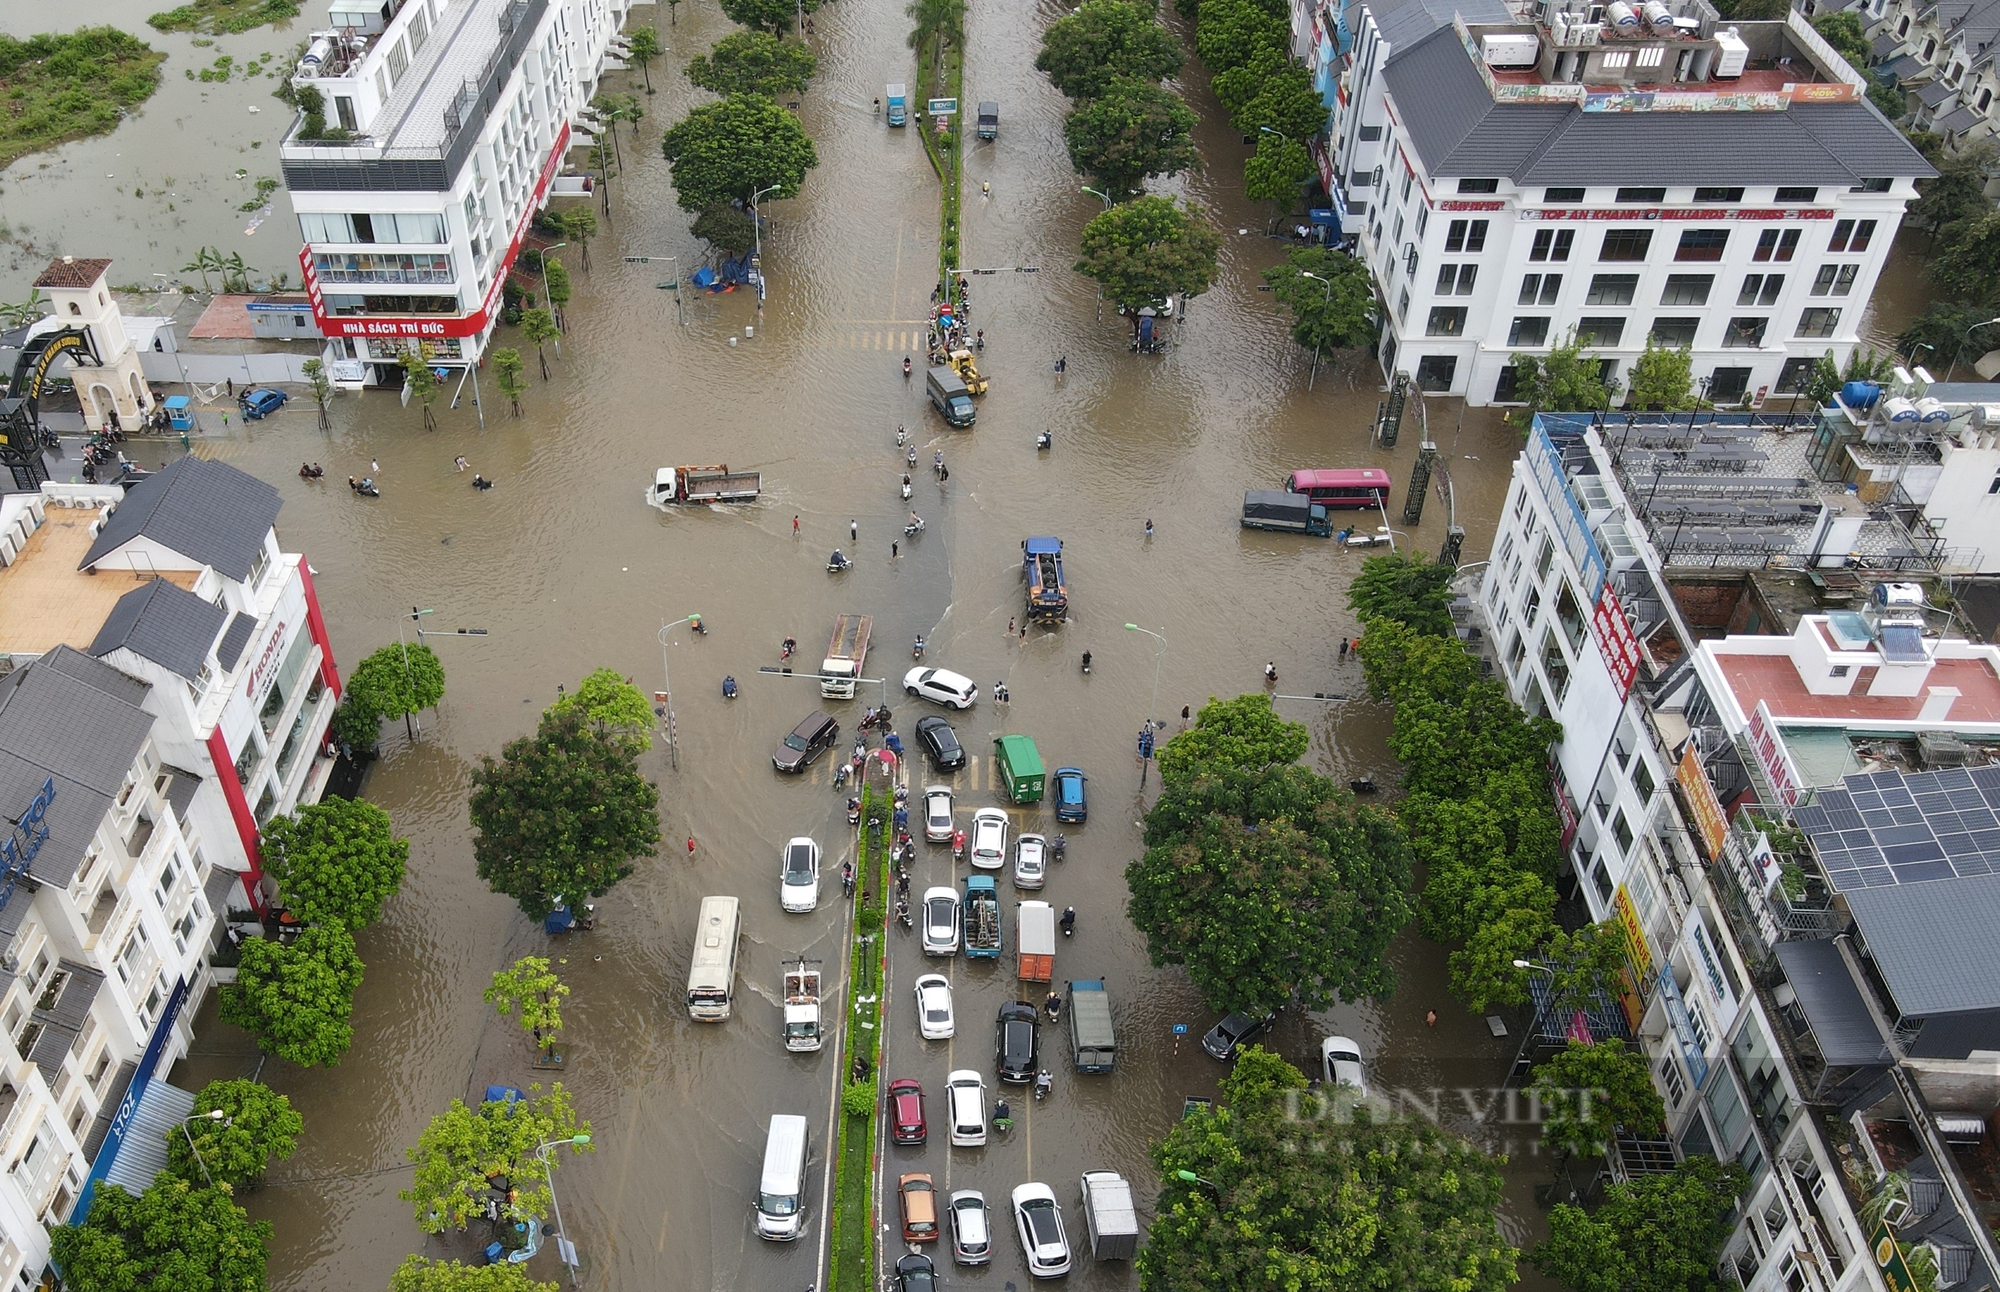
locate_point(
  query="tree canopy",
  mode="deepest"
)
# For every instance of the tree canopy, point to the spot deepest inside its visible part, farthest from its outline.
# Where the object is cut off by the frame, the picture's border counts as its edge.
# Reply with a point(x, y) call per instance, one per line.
point(1285, 101)
point(1567, 379)
point(1241, 733)
point(1102, 40)
point(561, 816)
point(390, 683)
point(936, 20)
point(614, 707)
point(1337, 317)
point(754, 62)
point(419, 1274)
point(1230, 33)
point(736, 148)
point(1588, 1092)
point(1407, 587)
point(1332, 1204)
point(1663, 378)
point(726, 226)
point(1148, 249)
point(530, 989)
point(174, 1237)
point(1967, 264)
point(1133, 131)
point(297, 997)
point(1661, 1233)
point(259, 1124)
point(463, 1147)
point(1958, 192)
point(771, 15)
point(335, 861)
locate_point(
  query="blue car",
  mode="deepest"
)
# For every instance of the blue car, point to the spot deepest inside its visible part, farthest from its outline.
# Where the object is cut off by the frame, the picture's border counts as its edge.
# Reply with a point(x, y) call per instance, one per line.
point(261, 402)
point(1072, 804)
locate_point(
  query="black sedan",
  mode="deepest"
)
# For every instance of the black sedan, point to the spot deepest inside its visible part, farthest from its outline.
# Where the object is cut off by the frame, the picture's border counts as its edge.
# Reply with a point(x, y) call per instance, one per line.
point(1014, 1042)
point(1234, 1032)
point(941, 743)
point(915, 1273)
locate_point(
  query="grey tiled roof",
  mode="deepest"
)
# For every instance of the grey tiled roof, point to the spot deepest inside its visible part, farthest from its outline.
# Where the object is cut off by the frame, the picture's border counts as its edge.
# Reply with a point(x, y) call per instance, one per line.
point(1957, 120)
point(207, 511)
point(164, 623)
point(1933, 942)
point(55, 724)
point(1402, 21)
point(1935, 93)
point(234, 639)
point(1460, 131)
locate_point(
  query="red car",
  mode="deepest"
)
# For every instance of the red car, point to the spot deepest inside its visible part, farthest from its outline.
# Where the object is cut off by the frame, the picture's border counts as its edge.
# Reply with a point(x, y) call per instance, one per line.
point(906, 1111)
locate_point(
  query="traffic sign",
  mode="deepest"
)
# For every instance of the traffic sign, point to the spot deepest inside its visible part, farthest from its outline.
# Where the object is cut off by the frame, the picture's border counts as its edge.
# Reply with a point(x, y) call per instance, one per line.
point(1180, 1029)
point(942, 107)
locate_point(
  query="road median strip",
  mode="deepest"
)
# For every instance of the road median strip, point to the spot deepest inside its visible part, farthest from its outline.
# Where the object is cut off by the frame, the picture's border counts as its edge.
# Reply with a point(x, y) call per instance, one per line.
point(851, 1265)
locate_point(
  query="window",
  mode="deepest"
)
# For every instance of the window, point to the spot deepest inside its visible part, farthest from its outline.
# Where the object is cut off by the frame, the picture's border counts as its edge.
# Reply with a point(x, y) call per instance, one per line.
point(1930, 48)
point(1507, 389)
point(1702, 244)
point(1776, 244)
point(1435, 371)
point(1556, 666)
point(1718, 195)
point(1529, 331)
point(1687, 289)
point(1818, 322)
point(1642, 194)
point(1562, 196)
point(1985, 100)
point(1409, 177)
point(343, 109)
point(1479, 186)
point(1540, 289)
point(1403, 305)
point(1621, 830)
point(1446, 320)
point(1643, 782)
point(1760, 289)
point(1625, 244)
point(1543, 556)
point(1399, 228)
point(1468, 236)
point(1423, 221)
point(1795, 376)
point(1851, 235)
point(1552, 244)
point(1727, 385)
point(1744, 333)
point(1456, 280)
point(1599, 331)
point(1612, 289)
point(130, 955)
point(1675, 1083)
point(1569, 613)
point(1872, 186)
point(1369, 134)
point(1675, 333)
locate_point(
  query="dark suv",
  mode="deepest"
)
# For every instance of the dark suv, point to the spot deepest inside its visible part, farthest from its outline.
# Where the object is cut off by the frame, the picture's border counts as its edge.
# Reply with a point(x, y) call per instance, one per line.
point(808, 741)
point(1014, 1042)
point(1234, 1032)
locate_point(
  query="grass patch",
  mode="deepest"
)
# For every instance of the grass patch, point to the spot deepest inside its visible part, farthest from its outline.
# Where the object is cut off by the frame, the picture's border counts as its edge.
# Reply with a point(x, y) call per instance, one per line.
point(852, 1231)
point(946, 79)
point(224, 15)
point(55, 88)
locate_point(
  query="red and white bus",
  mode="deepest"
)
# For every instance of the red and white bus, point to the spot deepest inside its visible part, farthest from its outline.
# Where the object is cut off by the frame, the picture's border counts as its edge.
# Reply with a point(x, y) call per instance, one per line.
point(1352, 488)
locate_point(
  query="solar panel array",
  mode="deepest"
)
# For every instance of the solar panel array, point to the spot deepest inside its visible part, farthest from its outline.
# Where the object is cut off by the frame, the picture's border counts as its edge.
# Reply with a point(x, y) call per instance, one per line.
point(1882, 828)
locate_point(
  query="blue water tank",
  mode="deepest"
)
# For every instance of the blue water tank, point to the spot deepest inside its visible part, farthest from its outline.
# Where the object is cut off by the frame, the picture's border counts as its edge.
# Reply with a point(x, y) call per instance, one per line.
point(1860, 394)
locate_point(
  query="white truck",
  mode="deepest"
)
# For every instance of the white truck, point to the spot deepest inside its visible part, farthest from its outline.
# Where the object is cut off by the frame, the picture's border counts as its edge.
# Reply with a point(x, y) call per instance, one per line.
point(1109, 1215)
point(845, 655)
point(802, 1029)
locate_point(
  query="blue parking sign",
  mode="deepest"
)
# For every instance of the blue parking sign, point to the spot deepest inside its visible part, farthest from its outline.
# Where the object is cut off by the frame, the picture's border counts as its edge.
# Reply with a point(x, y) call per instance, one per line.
point(1180, 1029)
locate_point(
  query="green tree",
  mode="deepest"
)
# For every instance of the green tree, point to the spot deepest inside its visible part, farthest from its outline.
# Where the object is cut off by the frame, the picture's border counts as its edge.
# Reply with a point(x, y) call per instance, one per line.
point(617, 708)
point(765, 15)
point(1237, 86)
point(1230, 33)
point(726, 226)
point(1966, 263)
point(1286, 102)
point(562, 815)
point(420, 1274)
point(1337, 317)
point(1586, 962)
point(423, 384)
point(939, 20)
point(529, 988)
point(394, 682)
point(1289, 1193)
point(321, 387)
point(1407, 587)
point(754, 62)
point(1888, 99)
point(579, 224)
point(1483, 972)
point(735, 148)
point(174, 1237)
point(644, 45)
point(1662, 1233)
point(1935, 337)
point(1276, 172)
point(1588, 1092)
point(538, 328)
point(204, 260)
point(1844, 32)
point(1241, 733)
point(297, 997)
point(1271, 886)
point(1565, 380)
point(258, 1125)
point(1132, 131)
point(335, 861)
point(1959, 190)
point(510, 371)
point(1103, 40)
point(1663, 378)
point(556, 281)
point(1864, 363)
point(1148, 249)
point(464, 1147)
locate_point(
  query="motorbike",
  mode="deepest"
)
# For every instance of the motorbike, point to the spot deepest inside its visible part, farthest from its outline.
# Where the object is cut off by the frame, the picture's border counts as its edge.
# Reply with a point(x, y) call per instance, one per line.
point(1086, 661)
point(840, 775)
point(874, 718)
point(902, 437)
point(1053, 1007)
point(917, 649)
point(1059, 845)
point(906, 367)
point(695, 625)
point(854, 811)
point(914, 528)
point(729, 688)
point(1044, 1083)
point(311, 471)
point(903, 913)
point(912, 456)
point(1046, 440)
point(837, 564)
point(847, 868)
point(1068, 920)
point(367, 489)
point(907, 490)
point(958, 845)
point(787, 649)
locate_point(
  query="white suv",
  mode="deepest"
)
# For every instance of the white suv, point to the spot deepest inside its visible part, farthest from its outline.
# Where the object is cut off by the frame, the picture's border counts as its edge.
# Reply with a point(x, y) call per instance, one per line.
point(941, 686)
point(989, 839)
point(965, 1104)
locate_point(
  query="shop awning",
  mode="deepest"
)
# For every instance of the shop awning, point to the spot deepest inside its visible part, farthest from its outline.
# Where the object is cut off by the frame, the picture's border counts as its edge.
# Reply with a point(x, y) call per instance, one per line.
point(1841, 1023)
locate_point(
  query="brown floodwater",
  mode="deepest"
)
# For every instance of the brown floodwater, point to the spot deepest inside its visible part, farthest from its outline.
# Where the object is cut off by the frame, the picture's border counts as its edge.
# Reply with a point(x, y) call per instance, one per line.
point(568, 570)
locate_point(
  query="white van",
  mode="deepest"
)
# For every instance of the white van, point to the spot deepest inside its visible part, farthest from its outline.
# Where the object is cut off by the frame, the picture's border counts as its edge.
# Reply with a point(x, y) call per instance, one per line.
point(781, 1192)
point(712, 977)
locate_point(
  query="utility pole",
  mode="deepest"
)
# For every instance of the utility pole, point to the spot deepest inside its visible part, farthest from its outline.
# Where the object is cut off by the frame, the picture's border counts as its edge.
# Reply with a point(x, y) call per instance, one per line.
point(671, 285)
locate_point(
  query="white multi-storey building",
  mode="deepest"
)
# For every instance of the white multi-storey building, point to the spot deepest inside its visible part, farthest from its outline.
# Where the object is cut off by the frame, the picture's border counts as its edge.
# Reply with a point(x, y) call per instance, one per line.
point(446, 122)
point(1619, 174)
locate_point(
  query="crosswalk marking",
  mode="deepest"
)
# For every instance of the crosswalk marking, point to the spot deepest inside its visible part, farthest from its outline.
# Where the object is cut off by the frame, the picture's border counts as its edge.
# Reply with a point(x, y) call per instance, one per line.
point(900, 339)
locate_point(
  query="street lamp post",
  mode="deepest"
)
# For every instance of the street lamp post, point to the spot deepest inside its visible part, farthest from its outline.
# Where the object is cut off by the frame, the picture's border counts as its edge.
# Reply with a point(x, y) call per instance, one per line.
point(1152, 712)
point(667, 695)
point(757, 231)
point(1106, 198)
point(215, 1115)
point(565, 1250)
point(1534, 1024)
point(1963, 342)
point(1307, 273)
point(1385, 524)
point(1266, 130)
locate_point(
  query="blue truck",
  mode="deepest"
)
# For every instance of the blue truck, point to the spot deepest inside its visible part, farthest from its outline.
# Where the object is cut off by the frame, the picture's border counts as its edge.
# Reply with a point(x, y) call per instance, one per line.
point(899, 105)
point(1041, 566)
point(982, 918)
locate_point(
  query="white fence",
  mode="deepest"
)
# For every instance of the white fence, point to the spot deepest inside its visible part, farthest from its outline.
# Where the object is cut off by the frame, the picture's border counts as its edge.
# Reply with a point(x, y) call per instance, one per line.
point(261, 369)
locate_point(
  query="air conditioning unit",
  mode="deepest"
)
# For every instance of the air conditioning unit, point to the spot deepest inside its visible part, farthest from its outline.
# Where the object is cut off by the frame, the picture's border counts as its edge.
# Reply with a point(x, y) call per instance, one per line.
point(1589, 33)
point(1510, 51)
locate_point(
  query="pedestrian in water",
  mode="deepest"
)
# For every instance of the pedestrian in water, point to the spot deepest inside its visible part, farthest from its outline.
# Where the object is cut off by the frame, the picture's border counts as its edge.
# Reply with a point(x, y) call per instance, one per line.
point(1010, 625)
point(894, 549)
point(1271, 671)
point(795, 527)
point(690, 847)
point(944, 474)
point(985, 189)
point(853, 530)
point(1431, 1018)
point(1184, 715)
point(374, 467)
point(1024, 632)
point(232, 387)
point(460, 463)
point(1149, 527)
point(1343, 650)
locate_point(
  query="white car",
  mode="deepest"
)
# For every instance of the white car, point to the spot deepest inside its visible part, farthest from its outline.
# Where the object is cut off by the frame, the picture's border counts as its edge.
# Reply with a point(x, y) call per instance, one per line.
point(965, 1105)
point(1031, 861)
point(1039, 1219)
point(937, 813)
point(941, 686)
point(971, 1239)
point(798, 876)
point(941, 921)
point(934, 1020)
point(1340, 1064)
point(989, 839)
